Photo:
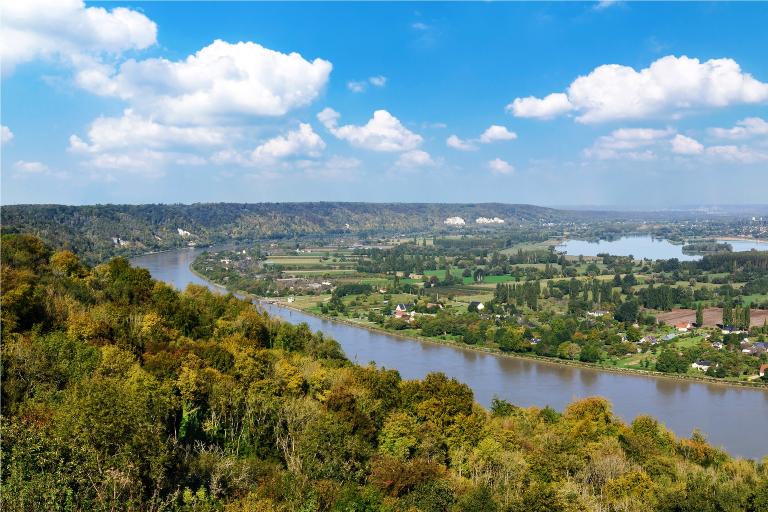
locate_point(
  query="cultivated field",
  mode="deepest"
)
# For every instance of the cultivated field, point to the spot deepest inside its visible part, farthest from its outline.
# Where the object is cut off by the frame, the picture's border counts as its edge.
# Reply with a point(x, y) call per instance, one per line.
point(712, 316)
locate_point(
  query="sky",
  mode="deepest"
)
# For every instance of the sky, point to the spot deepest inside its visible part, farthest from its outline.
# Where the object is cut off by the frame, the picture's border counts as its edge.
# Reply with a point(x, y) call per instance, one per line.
point(569, 103)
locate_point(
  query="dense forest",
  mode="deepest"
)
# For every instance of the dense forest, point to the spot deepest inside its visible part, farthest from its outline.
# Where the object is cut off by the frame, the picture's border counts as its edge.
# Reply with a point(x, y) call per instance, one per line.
point(100, 231)
point(120, 393)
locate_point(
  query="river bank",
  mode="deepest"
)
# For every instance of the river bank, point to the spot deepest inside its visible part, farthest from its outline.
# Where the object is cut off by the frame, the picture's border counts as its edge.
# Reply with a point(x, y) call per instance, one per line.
point(515, 355)
point(488, 350)
point(729, 415)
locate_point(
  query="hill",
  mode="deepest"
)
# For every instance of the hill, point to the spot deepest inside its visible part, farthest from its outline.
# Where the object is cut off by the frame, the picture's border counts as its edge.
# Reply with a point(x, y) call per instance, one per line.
point(101, 231)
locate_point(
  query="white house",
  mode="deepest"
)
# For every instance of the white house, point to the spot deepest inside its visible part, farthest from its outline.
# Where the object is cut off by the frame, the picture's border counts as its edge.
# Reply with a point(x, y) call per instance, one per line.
point(702, 365)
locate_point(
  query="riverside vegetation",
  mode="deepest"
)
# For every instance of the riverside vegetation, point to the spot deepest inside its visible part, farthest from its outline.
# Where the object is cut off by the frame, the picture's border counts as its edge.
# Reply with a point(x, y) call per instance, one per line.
point(120, 393)
point(525, 298)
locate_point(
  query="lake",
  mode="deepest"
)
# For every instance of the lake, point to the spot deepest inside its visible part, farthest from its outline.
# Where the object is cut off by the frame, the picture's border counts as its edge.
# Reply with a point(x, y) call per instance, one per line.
point(646, 247)
point(732, 417)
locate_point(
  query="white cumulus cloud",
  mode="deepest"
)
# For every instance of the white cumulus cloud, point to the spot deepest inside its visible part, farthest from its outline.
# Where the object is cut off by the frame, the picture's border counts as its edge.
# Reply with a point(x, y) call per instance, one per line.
point(298, 144)
point(303, 141)
point(462, 145)
point(415, 158)
point(378, 81)
point(359, 86)
point(133, 130)
point(70, 31)
point(749, 127)
point(28, 169)
point(667, 87)
point(548, 107)
point(683, 145)
point(737, 154)
point(31, 167)
point(6, 135)
point(499, 166)
point(383, 132)
point(219, 81)
point(495, 133)
point(627, 143)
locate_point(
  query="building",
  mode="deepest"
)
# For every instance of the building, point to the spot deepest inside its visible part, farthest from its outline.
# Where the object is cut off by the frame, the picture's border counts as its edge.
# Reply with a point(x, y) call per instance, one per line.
point(598, 313)
point(683, 326)
point(454, 221)
point(702, 364)
point(763, 369)
point(476, 306)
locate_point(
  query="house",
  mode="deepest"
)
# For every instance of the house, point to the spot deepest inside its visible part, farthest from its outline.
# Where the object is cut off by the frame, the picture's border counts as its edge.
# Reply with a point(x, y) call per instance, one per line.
point(763, 370)
point(649, 339)
point(597, 313)
point(754, 349)
point(727, 329)
point(683, 326)
point(718, 345)
point(535, 341)
point(402, 314)
point(702, 364)
point(403, 307)
point(476, 306)
point(670, 336)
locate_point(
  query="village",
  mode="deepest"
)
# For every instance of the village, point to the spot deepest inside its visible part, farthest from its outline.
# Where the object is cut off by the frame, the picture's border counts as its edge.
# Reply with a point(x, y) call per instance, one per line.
point(614, 312)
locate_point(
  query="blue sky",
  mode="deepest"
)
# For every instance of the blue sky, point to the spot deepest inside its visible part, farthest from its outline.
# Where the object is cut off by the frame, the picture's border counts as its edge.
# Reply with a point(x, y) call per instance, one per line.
point(548, 103)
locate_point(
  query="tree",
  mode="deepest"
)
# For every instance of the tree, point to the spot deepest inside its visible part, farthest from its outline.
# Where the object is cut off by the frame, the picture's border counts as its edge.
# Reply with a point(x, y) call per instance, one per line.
point(699, 315)
point(627, 312)
point(569, 350)
point(727, 315)
point(670, 361)
point(590, 353)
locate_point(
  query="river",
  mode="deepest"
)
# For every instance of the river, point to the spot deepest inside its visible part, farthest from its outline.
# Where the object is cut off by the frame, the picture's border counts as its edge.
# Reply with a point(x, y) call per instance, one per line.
point(648, 247)
point(731, 417)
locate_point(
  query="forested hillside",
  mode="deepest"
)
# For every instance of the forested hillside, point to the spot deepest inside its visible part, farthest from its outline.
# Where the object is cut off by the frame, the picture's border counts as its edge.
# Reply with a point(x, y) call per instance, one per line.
point(119, 393)
point(100, 231)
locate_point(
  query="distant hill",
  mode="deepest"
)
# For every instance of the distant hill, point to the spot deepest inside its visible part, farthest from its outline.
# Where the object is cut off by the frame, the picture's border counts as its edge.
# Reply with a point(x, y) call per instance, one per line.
point(98, 232)
point(101, 231)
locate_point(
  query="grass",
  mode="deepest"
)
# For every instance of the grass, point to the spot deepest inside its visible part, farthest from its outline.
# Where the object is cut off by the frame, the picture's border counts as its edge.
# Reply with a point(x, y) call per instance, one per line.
point(755, 298)
point(321, 271)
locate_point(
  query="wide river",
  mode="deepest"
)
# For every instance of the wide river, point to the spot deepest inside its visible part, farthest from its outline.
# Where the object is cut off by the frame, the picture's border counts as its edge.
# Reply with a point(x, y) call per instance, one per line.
point(731, 417)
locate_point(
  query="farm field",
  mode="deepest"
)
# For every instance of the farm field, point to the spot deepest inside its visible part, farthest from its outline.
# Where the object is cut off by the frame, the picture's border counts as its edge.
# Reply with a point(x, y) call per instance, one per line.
point(712, 316)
